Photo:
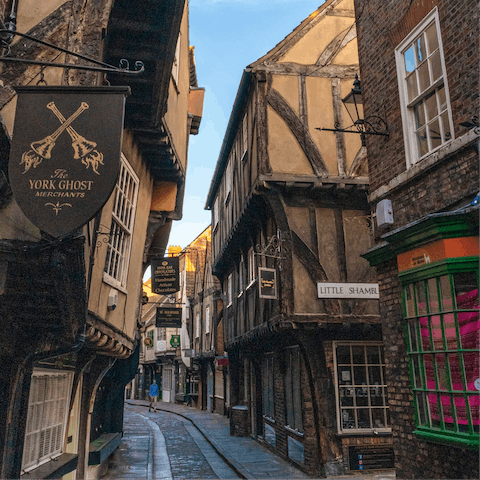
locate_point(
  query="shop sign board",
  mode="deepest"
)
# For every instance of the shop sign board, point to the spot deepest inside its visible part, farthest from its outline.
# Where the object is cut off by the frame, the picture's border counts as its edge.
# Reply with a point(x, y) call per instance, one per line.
point(175, 341)
point(168, 317)
point(348, 290)
point(165, 275)
point(268, 282)
point(65, 153)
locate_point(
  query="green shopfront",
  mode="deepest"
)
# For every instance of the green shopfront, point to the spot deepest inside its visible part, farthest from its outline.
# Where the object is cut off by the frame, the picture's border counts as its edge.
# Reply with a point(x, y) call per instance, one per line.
point(437, 265)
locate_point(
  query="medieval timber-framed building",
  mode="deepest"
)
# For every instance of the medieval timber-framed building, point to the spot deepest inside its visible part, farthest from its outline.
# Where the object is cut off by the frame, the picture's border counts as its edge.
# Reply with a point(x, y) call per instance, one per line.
point(291, 199)
point(69, 306)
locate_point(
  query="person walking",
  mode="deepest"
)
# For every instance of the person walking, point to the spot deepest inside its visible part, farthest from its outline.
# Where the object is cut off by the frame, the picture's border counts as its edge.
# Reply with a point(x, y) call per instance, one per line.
point(153, 396)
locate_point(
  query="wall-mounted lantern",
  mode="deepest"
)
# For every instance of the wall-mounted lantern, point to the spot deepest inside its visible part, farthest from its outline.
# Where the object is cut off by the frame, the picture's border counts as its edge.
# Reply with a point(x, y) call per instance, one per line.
point(363, 126)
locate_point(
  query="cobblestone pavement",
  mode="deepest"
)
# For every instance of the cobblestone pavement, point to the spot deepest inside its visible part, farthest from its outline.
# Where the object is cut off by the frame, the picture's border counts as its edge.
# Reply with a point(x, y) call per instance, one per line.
point(161, 445)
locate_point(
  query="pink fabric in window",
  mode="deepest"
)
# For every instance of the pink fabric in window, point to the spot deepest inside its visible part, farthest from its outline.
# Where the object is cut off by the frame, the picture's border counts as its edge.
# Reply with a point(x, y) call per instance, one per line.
point(469, 327)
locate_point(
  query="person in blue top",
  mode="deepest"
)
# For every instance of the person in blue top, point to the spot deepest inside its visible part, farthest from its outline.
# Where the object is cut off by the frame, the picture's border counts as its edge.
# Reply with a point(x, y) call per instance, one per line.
point(153, 396)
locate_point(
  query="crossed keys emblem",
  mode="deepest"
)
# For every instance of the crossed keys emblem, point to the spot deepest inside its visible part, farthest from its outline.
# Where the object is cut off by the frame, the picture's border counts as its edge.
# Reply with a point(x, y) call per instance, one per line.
point(84, 150)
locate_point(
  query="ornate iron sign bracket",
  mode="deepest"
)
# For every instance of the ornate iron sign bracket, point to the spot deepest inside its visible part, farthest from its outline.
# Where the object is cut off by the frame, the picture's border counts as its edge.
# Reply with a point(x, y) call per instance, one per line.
point(123, 68)
point(368, 126)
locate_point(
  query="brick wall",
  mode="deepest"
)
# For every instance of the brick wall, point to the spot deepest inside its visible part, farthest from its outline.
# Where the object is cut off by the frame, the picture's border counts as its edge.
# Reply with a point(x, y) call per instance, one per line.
point(382, 25)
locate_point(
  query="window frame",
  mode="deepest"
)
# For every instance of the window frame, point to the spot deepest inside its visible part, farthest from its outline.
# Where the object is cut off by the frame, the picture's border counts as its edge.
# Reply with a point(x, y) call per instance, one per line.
point(251, 267)
point(268, 387)
point(412, 154)
point(230, 290)
point(385, 407)
point(291, 398)
point(197, 325)
point(419, 361)
point(43, 417)
point(121, 231)
point(207, 319)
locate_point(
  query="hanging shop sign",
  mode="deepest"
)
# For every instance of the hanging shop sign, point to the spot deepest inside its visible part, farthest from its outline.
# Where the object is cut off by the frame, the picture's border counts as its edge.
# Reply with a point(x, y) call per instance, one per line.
point(348, 290)
point(65, 153)
point(148, 342)
point(175, 341)
point(165, 275)
point(268, 282)
point(168, 317)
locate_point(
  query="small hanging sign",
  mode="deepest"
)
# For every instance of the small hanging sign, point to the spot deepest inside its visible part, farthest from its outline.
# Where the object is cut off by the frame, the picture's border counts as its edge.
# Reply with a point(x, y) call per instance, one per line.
point(268, 282)
point(65, 153)
point(168, 317)
point(175, 341)
point(165, 275)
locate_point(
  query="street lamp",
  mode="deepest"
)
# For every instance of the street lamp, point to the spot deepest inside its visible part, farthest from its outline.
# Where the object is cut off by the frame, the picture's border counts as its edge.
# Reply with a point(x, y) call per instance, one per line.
point(363, 126)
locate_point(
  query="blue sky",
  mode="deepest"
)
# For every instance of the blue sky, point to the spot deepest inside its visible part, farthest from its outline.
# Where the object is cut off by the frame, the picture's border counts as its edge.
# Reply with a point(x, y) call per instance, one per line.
point(227, 35)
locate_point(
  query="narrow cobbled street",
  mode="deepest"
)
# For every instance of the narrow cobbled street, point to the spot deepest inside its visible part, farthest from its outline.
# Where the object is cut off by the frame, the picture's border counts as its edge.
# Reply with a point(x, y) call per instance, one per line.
point(178, 442)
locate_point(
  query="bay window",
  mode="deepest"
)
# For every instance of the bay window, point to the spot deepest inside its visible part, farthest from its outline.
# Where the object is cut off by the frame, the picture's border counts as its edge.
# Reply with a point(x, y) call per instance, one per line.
point(442, 323)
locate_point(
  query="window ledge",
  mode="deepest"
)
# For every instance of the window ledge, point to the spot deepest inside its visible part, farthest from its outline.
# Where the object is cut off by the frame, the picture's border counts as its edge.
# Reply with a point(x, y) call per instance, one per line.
point(425, 164)
point(57, 468)
point(251, 284)
point(113, 283)
point(295, 432)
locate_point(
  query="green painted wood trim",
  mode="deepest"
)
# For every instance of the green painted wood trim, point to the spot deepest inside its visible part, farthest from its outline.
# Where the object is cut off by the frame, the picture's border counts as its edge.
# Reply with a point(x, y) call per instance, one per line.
point(436, 269)
point(449, 438)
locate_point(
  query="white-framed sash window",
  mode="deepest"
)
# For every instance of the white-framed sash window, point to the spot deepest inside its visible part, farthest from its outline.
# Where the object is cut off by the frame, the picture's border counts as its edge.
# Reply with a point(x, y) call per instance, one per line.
point(423, 88)
point(121, 230)
point(47, 414)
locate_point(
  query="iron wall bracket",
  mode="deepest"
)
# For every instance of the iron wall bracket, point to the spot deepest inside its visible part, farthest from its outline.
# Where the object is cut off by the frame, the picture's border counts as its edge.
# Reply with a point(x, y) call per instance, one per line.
point(123, 68)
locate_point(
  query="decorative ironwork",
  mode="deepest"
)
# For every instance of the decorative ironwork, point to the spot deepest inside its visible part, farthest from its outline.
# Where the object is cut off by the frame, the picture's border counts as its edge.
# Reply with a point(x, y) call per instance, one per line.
point(372, 125)
point(369, 223)
point(6, 36)
point(473, 123)
point(364, 126)
point(272, 248)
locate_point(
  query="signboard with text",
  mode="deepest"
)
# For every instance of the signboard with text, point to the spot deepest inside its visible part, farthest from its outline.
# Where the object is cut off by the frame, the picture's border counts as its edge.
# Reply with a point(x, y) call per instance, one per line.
point(65, 153)
point(267, 282)
point(348, 290)
point(165, 276)
point(168, 317)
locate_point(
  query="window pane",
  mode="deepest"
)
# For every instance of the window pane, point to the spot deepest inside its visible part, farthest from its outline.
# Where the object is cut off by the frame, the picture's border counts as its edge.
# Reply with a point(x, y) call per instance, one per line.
point(445, 126)
point(442, 99)
point(361, 396)
point(358, 355)
point(423, 76)
point(434, 134)
point(409, 61)
point(413, 332)
point(412, 88)
point(433, 305)
point(420, 48)
point(435, 66)
point(377, 396)
point(374, 376)
point(466, 290)
point(378, 417)
point(431, 106)
point(345, 375)
point(442, 371)
point(419, 110)
point(435, 325)
point(348, 418)
point(373, 354)
point(446, 291)
point(359, 375)
point(417, 372)
point(409, 300)
point(422, 409)
point(343, 354)
point(346, 397)
point(421, 298)
point(432, 39)
point(363, 418)
point(456, 371)
point(425, 332)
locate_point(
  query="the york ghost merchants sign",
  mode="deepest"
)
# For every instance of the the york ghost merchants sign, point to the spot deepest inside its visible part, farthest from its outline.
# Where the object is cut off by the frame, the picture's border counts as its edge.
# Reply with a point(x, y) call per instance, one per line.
point(65, 154)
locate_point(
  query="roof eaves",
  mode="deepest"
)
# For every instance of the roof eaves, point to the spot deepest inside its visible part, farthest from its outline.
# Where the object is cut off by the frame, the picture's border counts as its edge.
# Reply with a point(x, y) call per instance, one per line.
point(235, 118)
